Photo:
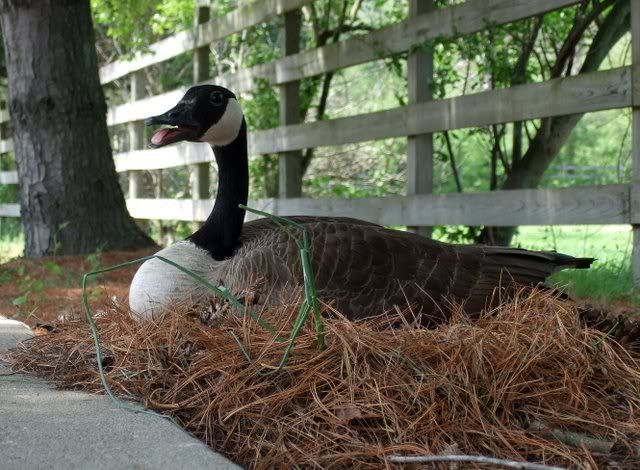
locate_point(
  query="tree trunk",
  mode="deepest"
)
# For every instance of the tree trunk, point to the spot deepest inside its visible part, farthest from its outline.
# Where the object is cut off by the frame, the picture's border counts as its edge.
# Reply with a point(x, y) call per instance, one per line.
point(553, 133)
point(70, 198)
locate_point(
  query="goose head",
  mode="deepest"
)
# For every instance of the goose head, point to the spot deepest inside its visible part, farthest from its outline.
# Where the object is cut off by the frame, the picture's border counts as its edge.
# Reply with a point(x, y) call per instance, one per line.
point(206, 113)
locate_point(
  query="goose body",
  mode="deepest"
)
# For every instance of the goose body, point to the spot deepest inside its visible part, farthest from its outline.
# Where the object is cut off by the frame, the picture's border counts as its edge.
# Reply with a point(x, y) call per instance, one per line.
point(361, 268)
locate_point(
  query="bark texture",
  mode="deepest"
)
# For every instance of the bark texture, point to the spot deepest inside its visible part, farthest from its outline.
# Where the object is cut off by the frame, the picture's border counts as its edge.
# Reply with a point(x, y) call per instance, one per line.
point(70, 198)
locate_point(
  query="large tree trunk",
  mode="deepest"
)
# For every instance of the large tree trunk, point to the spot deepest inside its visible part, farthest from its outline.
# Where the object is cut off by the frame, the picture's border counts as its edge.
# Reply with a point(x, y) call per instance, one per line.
point(553, 133)
point(70, 198)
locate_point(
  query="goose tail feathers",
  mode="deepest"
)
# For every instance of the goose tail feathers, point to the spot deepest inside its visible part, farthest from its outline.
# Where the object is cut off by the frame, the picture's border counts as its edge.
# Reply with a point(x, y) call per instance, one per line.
point(566, 261)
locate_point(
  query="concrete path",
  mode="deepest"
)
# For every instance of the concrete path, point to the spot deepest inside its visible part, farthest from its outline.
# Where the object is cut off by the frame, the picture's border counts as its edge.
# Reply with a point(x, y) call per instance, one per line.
point(43, 428)
point(12, 331)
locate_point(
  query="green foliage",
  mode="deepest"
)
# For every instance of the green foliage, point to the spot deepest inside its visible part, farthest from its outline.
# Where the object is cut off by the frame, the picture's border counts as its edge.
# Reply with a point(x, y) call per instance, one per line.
point(456, 233)
point(336, 175)
point(606, 282)
point(8, 193)
point(134, 24)
point(30, 290)
point(609, 278)
point(597, 152)
point(11, 239)
point(261, 107)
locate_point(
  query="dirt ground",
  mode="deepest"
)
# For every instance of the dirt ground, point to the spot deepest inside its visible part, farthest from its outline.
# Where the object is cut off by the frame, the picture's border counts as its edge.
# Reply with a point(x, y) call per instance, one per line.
point(49, 289)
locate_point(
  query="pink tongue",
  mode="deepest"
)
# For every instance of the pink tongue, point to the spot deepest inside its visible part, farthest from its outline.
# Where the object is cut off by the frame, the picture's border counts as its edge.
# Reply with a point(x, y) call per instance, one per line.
point(159, 136)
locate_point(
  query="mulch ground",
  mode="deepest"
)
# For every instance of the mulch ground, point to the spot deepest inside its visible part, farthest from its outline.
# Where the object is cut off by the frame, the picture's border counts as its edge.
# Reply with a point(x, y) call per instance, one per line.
point(539, 379)
point(49, 289)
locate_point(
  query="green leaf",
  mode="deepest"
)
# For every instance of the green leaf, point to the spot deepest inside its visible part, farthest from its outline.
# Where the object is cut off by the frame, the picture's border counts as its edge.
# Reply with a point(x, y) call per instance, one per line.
point(18, 301)
point(53, 268)
point(38, 285)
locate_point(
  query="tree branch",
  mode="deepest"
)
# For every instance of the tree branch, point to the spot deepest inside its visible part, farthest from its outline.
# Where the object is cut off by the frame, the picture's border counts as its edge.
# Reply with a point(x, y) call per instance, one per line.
point(313, 15)
point(520, 69)
point(580, 25)
point(355, 9)
point(327, 78)
point(469, 458)
point(519, 77)
point(454, 167)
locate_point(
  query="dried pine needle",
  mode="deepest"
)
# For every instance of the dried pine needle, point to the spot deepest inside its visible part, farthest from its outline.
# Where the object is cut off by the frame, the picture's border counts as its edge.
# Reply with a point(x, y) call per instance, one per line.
point(473, 387)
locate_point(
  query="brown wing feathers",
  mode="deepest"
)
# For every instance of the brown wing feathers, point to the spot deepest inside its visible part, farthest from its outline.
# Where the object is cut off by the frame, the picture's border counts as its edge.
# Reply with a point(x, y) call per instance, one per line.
point(512, 267)
point(363, 268)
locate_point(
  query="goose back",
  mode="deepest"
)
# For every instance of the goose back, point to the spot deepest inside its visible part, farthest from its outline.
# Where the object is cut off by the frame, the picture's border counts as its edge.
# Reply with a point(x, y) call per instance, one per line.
point(364, 269)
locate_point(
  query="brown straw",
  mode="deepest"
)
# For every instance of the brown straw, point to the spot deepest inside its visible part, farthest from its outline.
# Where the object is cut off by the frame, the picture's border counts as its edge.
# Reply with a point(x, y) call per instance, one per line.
point(510, 385)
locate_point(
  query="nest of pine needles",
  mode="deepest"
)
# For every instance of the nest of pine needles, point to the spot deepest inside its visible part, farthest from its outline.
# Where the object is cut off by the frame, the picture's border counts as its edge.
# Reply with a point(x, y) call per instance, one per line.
point(526, 382)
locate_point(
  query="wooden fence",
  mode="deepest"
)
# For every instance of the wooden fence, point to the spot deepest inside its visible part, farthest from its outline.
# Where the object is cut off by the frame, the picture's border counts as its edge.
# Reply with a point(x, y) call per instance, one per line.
point(610, 89)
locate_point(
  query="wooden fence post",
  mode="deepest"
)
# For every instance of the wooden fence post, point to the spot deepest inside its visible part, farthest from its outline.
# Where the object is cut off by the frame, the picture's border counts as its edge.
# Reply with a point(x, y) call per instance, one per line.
point(136, 134)
point(199, 175)
point(420, 147)
point(635, 150)
point(290, 163)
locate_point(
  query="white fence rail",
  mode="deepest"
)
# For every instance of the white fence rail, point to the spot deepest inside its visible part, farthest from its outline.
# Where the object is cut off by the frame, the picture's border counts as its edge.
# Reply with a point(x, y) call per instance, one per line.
point(606, 204)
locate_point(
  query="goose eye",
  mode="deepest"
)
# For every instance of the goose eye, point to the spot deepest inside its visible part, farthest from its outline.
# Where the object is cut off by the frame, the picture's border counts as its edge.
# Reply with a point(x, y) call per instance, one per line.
point(216, 98)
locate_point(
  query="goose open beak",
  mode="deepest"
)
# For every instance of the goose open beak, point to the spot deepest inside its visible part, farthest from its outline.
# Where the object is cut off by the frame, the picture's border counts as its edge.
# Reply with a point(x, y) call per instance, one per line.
point(182, 127)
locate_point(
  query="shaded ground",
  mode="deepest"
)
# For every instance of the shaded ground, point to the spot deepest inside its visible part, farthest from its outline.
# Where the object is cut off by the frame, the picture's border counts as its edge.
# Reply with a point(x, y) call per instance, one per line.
point(49, 289)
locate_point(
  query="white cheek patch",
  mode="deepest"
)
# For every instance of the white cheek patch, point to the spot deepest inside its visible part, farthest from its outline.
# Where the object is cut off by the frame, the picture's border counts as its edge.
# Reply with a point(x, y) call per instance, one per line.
point(227, 128)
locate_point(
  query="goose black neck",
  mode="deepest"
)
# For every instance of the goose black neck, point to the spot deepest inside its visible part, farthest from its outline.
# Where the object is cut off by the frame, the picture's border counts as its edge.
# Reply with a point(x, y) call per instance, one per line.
point(220, 233)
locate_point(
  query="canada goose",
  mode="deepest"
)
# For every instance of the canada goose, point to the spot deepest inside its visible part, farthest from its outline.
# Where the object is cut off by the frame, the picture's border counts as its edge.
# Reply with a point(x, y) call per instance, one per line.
point(360, 267)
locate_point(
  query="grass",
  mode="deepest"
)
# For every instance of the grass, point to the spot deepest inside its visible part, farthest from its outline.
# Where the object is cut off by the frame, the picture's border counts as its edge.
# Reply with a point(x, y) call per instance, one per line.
point(610, 277)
